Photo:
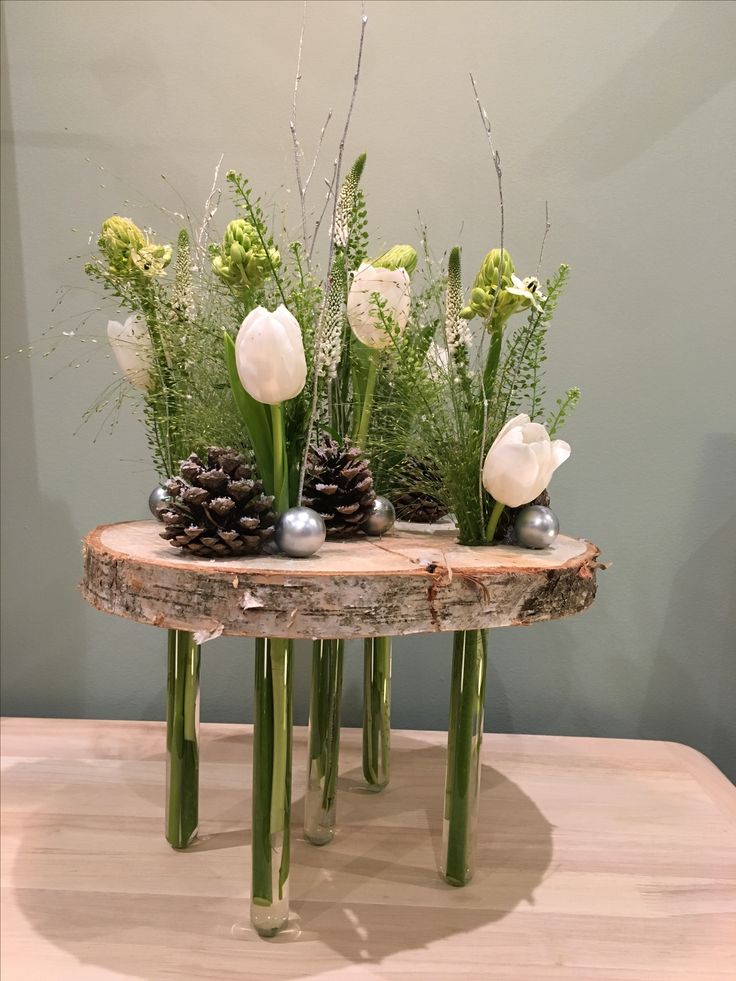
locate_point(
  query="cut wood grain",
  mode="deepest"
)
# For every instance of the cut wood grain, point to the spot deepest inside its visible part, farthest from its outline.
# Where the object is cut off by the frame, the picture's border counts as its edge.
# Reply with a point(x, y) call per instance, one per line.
point(401, 584)
point(599, 860)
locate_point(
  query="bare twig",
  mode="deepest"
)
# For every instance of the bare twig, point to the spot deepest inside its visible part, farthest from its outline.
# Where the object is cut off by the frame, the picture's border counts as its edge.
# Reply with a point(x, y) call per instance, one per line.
point(496, 157)
point(335, 185)
point(547, 226)
point(330, 191)
point(210, 209)
point(316, 154)
point(298, 152)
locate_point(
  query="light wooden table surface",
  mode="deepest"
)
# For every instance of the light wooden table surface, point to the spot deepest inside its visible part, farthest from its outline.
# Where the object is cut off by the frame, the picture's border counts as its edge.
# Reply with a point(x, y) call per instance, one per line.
point(597, 859)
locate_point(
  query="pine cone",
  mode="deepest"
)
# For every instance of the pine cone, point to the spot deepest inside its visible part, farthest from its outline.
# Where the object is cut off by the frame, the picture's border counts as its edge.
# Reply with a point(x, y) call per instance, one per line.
point(217, 509)
point(339, 486)
point(505, 534)
point(412, 498)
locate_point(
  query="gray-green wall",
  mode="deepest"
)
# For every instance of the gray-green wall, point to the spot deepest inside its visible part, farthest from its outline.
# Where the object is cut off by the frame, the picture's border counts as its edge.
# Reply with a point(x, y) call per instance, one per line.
point(620, 114)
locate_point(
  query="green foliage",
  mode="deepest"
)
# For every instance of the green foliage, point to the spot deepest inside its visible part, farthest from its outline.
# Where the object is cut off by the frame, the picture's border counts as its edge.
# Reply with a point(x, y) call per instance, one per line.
point(520, 385)
point(563, 407)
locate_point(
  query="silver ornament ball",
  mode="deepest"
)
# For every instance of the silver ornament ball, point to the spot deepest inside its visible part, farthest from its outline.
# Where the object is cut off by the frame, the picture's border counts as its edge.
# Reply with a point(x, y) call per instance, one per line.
point(381, 519)
point(300, 532)
point(536, 527)
point(157, 498)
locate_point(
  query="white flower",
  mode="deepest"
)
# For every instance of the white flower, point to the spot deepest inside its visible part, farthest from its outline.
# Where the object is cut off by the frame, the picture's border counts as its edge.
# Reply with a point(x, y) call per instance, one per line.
point(131, 345)
point(521, 461)
point(528, 289)
point(392, 287)
point(269, 354)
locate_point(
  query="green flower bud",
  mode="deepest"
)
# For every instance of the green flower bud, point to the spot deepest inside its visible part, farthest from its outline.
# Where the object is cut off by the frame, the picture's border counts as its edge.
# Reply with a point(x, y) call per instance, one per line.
point(241, 262)
point(496, 266)
point(129, 252)
point(489, 270)
point(399, 257)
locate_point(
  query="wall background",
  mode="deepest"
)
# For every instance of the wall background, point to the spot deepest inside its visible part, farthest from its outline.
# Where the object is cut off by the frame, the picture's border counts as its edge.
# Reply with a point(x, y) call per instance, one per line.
point(621, 115)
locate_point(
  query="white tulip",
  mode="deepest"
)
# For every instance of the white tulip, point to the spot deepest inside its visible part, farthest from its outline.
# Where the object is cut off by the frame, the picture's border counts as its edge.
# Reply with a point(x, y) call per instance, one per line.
point(269, 354)
point(521, 461)
point(131, 345)
point(392, 286)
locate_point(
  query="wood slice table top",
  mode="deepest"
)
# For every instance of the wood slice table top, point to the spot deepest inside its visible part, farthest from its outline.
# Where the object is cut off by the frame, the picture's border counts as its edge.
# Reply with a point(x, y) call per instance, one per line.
point(598, 860)
point(406, 582)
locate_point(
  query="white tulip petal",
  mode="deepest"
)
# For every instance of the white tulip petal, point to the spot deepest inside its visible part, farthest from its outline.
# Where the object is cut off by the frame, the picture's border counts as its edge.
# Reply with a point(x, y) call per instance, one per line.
point(131, 345)
point(517, 421)
point(392, 288)
point(521, 462)
point(533, 432)
point(560, 452)
point(512, 475)
point(269, 355)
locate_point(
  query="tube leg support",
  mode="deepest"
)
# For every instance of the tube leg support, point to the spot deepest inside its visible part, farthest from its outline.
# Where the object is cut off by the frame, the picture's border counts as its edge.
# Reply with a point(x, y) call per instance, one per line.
point(324, 741)
point(465, 736)
point(272, 730)
point(182, 739)
point(377, 712)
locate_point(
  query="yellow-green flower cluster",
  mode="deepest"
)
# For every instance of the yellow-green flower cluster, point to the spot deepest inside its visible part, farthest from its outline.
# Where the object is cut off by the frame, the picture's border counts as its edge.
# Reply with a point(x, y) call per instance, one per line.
point(398, 257)
point(242, 263)
point(130, 254)
point(490, 302)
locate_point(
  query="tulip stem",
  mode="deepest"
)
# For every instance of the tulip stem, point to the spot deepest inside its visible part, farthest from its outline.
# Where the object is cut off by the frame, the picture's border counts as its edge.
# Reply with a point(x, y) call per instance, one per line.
point(370, 387)
point(279, 470)
point(498, 507)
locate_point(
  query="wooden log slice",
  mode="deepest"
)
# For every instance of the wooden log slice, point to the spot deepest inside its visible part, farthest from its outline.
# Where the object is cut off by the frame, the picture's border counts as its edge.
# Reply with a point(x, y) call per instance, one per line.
point(404, 583)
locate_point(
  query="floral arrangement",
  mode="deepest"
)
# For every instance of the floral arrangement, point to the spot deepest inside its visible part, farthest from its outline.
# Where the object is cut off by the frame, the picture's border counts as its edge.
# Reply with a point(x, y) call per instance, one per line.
point(287, 401)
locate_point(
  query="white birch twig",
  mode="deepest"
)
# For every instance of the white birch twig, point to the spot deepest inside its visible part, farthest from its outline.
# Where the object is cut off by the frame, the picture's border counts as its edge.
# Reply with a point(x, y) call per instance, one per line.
point(210, 209)
point(298, 152)
point(335, 184)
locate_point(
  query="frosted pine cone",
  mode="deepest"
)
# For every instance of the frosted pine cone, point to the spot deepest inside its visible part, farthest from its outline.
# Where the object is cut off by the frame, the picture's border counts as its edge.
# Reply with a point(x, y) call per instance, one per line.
point(217, 509)
point(339, 486)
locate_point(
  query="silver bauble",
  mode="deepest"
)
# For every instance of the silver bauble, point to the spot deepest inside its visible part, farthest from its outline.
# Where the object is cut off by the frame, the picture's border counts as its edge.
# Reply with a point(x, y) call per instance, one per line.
point(157, 498)
point(381, 519)
point(536, 527)
point(300, 532)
